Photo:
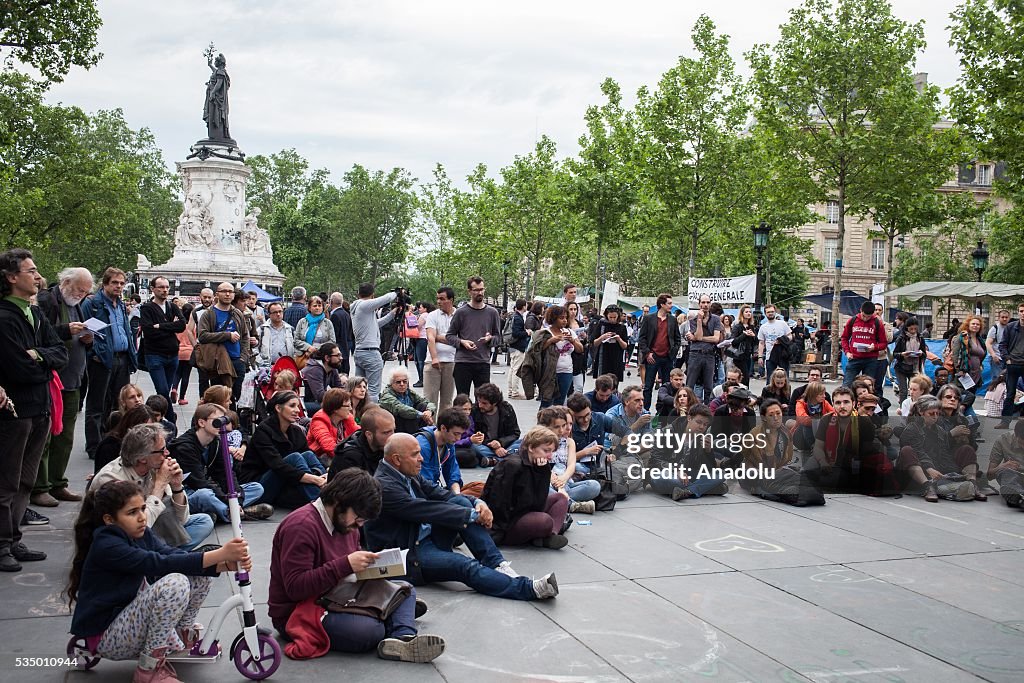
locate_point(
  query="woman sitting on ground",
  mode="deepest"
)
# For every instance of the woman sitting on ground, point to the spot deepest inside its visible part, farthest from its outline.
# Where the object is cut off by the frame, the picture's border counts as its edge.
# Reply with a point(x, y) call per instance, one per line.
point(360, 396)
point(811, 407)
point(778, 388)
point(279, 458)
point(929, 453)
point(109, 448)
point(684, 400)
point(115, 554)
point(772, 450)
point(331, 425)
point(563, 465)
point(518, 493)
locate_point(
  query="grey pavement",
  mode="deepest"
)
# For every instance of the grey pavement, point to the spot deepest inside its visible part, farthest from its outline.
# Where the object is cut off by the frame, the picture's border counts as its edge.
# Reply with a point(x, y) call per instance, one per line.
point(730, 588)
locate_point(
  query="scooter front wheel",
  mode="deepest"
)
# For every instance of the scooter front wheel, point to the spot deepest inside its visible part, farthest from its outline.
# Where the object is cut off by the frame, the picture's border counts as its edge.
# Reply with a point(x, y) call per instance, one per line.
point(78, 650)
point(247, 665)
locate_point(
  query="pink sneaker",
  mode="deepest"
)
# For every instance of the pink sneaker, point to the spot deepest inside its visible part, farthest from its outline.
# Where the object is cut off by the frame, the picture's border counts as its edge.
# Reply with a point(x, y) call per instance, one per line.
point(161, 673)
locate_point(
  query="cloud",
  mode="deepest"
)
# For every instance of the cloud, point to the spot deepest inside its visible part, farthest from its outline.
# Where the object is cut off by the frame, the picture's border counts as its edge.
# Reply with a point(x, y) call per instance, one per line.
point(406, 84)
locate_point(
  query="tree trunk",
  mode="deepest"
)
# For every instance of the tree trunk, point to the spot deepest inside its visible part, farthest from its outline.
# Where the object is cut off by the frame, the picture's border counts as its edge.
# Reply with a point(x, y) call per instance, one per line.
point(598, 285)
point(694, 235)
point(837, 280)
point(891, 234)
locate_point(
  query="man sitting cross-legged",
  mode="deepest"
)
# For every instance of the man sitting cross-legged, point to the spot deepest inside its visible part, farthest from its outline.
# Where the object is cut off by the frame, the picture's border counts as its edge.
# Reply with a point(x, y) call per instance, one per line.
point(424, 518)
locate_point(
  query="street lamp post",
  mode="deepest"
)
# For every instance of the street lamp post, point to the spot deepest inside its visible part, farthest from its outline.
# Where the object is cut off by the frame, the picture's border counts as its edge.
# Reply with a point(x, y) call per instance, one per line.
point(761, 232)
point(504, 287)
point(980, 258)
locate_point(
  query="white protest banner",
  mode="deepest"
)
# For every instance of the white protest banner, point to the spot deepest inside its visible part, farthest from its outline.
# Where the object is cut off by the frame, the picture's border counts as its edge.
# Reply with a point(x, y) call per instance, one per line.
point(610, 295)
point(724, 290)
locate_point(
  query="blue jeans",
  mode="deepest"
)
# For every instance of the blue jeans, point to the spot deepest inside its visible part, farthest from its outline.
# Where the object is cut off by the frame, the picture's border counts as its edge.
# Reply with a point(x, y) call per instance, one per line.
point(859, 366)
point(204, 500)
point(439, 563)
point(357, 633)
point(581, 491)
point(564, 384)
point(369, 364)
point(163, 370)
point(420, 356)
point(273, 485)
point(698, 487)
point(661, 366)
point(1013, 374)
point(198, 526)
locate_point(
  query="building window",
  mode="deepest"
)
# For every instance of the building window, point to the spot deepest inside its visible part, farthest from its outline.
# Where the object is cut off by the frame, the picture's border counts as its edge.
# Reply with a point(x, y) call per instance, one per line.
point(984, 174)
point(828, 289)
point(877, 254)
point(832, 212)
point(831, 247)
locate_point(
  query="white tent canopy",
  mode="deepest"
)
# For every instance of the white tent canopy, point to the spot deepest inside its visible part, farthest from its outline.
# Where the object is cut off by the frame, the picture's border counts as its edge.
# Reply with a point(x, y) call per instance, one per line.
point(985, 291)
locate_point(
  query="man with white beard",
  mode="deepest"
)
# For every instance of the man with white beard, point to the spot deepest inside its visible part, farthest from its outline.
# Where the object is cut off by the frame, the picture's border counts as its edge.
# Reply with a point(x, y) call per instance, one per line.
point(62, 305)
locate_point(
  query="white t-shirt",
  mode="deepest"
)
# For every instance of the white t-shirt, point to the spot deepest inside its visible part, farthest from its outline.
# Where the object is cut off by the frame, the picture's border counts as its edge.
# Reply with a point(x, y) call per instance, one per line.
point(995, 334)
point(770, 331)
point(439, 321)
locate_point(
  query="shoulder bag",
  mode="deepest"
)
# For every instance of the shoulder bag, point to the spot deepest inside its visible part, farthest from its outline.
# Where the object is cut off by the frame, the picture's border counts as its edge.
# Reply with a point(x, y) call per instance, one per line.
point(376, 598)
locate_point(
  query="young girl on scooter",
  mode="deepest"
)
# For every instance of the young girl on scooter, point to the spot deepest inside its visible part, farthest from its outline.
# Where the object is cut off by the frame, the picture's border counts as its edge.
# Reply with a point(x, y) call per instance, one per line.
point(136, 596)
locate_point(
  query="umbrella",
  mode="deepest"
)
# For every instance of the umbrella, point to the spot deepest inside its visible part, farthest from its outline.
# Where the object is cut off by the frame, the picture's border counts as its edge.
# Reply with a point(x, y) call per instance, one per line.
point(849, 301)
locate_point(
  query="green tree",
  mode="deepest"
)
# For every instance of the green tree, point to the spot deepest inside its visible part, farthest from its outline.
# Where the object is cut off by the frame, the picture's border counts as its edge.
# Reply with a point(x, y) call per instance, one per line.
point(988, 101)
point(836, 91)
point(689, 142)
point(50, 36)
point(603, 187)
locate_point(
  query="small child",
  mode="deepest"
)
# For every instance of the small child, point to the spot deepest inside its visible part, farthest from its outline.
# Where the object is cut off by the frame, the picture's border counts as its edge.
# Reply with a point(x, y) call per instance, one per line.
point(158, 405)
point(119, 612)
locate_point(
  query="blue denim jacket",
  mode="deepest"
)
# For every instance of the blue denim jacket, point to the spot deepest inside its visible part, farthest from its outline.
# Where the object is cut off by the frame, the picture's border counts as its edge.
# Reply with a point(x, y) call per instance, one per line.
point(102, 346)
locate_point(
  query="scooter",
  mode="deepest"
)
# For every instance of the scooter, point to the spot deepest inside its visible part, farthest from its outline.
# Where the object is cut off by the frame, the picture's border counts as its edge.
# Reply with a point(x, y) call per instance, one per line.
point(256, 654)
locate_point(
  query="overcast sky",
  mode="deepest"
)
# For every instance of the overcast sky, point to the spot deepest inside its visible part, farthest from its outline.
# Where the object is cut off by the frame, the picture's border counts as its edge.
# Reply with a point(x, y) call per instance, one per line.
point(411, 84)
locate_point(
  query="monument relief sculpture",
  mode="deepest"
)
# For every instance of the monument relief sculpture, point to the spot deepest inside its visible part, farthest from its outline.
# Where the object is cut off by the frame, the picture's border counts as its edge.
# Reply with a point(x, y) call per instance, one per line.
point(195, 224)
point(255, 240)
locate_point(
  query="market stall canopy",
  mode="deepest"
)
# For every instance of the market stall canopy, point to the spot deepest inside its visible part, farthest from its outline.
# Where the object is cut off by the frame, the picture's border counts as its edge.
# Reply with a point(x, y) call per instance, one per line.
point(263, 296)
point(986, 291)
point(849, 301)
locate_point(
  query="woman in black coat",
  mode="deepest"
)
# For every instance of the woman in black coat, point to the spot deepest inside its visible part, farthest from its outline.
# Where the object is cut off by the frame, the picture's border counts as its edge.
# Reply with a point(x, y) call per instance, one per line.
point(279, 458)
point(519, 495)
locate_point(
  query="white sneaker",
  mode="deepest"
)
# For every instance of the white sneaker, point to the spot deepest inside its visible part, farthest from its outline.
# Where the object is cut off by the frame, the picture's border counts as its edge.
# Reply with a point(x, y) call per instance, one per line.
point(546, 587)
point(506, 568)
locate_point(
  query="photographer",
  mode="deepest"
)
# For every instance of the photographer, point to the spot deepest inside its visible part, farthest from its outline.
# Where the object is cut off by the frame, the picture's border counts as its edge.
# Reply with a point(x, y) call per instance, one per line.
point(366, 326)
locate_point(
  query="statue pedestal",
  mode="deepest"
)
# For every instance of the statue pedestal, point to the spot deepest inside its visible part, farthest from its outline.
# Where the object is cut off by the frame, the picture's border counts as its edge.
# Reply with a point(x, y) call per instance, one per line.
point(216, 239)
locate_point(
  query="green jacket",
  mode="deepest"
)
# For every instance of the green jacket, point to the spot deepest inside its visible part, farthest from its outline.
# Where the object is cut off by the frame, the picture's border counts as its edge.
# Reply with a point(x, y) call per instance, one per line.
point(407, 418)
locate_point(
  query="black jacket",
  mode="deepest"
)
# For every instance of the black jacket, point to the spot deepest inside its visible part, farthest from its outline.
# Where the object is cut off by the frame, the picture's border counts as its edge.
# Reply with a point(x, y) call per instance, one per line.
point(267, 450)
point(1009, 339)
point(520, 335)
point(26, 380)
point(342, 322)
point(163, 340)
point(508, 424)
point(354, 451)
point(203, 464)
point(514, 487)
point(649, 330)
point(402, 513)
point(49, 301)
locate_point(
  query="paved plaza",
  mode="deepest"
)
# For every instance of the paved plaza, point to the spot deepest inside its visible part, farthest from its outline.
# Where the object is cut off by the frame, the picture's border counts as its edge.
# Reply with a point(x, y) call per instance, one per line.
point(728, 588)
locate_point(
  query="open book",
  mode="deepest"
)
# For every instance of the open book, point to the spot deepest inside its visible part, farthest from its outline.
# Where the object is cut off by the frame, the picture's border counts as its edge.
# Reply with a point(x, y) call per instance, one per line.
point(389, 564)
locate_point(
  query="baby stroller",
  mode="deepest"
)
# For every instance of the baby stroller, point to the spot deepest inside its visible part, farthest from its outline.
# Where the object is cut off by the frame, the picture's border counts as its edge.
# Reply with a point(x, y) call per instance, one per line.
point(263, 388)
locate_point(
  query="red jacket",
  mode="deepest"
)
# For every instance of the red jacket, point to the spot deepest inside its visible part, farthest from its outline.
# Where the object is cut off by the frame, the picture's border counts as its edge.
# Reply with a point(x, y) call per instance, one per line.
point(860, 331)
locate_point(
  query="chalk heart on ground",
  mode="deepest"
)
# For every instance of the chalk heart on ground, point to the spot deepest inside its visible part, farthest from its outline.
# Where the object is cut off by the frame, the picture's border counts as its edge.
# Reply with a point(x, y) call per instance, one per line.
point(732, 542)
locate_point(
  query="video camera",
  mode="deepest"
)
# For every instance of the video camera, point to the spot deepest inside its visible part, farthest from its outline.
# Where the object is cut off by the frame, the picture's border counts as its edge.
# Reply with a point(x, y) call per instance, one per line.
point(402, 297)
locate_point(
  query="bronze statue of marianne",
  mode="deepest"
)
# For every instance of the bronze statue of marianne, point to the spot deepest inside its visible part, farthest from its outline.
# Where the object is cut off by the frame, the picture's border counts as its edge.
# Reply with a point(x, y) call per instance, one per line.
point(215, 111)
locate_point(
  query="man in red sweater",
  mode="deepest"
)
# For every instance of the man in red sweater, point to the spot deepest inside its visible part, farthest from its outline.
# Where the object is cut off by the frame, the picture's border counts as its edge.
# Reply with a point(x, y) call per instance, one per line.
point(315, 548)
point(862, 339)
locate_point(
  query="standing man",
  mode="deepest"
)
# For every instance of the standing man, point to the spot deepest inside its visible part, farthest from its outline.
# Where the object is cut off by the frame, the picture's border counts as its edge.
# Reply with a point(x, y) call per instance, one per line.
point(62, 306)
point(659, 342)
point(366, 328)
point(772, 329)
point(517, 348)
point(1011, 351)
point(995, 337)
point(342, 322)
point(705, 331)
point(205, 303)
point(569, 294)
point(30, 351)
point(438, 374)
point(225, 324)
point(113, 359)
point(297, 311)
point(473, 328)
point(161, 323)
point(862, 338)
point(883, 354)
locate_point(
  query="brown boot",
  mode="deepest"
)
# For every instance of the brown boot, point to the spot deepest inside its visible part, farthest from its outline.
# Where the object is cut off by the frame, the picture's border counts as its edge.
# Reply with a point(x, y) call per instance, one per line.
point(43, 500)
point(65, 496)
